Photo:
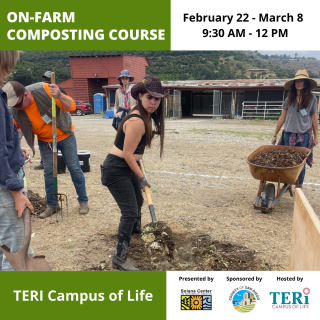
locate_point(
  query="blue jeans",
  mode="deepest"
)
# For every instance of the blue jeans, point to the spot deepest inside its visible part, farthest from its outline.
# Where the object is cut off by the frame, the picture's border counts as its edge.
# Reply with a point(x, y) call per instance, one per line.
point(68, 148)
point(11, 229)
point(304, 144)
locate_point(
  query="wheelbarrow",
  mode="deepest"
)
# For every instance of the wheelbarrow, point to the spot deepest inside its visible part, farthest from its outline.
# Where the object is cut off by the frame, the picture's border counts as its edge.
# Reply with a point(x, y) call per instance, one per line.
point(288, 176)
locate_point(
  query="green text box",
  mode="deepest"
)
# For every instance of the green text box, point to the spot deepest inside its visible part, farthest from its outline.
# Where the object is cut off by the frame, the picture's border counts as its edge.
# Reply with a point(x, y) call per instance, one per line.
point(77, 283)
point(91, 16)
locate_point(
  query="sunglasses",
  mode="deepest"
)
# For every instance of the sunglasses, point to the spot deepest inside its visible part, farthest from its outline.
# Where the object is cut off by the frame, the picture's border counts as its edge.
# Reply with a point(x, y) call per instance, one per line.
point(19, 105)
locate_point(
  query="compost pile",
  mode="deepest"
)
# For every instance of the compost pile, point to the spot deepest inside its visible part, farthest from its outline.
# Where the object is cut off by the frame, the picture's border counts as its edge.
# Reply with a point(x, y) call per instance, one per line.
point(279, 158)
point(159, 241)
point(38, 202)
point(159, 249)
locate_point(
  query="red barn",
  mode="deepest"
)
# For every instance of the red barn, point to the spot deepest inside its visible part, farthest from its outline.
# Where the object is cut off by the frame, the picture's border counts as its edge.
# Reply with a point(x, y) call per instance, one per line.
point(90, 73)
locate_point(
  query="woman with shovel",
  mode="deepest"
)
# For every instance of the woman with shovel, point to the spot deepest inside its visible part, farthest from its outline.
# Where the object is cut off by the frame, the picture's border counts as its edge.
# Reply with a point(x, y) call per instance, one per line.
point(299, 116)
point(120, 171)
point(12, 157)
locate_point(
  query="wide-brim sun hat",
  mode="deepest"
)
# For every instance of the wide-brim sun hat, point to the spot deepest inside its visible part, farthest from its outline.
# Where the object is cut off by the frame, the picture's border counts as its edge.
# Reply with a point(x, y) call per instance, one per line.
point(301, 74)
point(125, 73)
point(149, 84)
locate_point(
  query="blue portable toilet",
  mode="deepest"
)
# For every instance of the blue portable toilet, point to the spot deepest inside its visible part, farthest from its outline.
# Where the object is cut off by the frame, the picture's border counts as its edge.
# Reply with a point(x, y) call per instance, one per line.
point(99, 102)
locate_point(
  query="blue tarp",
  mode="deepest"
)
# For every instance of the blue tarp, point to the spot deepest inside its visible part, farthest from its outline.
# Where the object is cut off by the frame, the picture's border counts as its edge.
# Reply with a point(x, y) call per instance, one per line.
point(109, 114)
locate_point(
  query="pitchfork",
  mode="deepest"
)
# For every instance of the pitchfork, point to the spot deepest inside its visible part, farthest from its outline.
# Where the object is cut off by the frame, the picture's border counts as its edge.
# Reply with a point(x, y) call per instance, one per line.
point(56, 197)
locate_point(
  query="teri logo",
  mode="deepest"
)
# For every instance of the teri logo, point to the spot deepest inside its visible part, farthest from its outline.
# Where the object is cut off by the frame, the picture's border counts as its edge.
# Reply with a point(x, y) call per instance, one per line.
point(290, 300)
point(244, 299)
point(196, 302)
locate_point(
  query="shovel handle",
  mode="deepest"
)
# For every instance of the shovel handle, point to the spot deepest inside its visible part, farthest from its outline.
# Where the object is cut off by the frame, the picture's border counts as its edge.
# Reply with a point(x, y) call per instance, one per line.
point(53, 78)
point(148, 195)
point(146, 189)
point(54, 138)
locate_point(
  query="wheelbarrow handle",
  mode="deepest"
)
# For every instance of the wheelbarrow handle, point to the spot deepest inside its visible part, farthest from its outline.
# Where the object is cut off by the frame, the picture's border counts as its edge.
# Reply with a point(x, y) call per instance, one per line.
point(312, 146)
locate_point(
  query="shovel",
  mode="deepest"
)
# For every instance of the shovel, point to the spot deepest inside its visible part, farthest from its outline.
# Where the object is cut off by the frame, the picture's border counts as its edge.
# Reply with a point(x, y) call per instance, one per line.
point(148, 195)
point(20, 260)
point(56, 196)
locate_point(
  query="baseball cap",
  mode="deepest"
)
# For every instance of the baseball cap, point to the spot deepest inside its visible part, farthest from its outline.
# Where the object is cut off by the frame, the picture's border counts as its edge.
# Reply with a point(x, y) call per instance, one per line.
point(14, 91)
point(47, 74)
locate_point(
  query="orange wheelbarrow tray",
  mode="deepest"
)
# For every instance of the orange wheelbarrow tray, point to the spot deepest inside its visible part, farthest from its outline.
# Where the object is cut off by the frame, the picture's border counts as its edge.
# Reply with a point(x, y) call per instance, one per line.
point(288, 176)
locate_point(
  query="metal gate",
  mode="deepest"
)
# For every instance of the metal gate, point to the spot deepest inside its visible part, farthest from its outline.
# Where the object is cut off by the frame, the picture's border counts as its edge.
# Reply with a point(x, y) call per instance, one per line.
point(176, 104)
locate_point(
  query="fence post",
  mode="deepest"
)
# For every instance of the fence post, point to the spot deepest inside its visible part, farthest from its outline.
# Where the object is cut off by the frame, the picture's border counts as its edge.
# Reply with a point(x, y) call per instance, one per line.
point(242, 108)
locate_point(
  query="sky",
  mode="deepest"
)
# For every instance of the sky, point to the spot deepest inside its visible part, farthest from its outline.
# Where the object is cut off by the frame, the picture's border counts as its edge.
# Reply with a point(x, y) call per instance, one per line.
point(306, 54)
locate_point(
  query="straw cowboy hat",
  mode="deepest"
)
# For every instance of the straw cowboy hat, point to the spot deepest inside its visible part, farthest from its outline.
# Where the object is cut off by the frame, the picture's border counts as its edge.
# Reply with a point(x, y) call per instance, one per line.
point(301, 74)
point(148, 84)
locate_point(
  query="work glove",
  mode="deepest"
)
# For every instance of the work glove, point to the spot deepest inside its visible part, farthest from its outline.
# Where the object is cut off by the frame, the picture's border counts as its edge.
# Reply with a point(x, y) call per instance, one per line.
point(143, 182)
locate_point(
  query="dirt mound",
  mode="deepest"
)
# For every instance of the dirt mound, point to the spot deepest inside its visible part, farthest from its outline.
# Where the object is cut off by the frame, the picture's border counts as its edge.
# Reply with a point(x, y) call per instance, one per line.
point(206, 254)
point(158, 238)
point(185, 252)
point(39, 203)
point(279, 158)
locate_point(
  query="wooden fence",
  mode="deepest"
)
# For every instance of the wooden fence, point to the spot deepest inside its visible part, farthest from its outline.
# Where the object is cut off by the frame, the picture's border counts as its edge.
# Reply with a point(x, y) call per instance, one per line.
point(305, 238)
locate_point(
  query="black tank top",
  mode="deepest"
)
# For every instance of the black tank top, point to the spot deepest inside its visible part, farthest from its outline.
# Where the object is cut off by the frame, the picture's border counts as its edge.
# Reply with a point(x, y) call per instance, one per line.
point(120, 141)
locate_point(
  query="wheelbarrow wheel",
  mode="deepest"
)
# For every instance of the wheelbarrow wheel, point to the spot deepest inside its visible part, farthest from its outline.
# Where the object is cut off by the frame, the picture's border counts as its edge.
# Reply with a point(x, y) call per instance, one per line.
point(267, 196)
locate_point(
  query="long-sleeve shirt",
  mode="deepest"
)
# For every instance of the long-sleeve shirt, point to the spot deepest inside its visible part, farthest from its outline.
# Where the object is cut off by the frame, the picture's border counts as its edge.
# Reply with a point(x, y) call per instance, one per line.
point(119, 103)
point(11, 155)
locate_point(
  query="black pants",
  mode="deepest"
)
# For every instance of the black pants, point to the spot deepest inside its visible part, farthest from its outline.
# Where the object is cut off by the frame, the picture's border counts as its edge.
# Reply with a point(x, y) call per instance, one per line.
point(124, 186)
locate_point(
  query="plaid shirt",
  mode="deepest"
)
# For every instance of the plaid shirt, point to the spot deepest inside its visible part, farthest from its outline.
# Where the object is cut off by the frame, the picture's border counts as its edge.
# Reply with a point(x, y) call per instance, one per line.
point(296, 138)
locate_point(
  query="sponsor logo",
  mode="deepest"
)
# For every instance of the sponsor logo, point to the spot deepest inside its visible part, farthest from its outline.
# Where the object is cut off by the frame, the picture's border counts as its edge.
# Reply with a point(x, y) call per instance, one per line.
point(244, 299)
point(290, 300)
point(196, 302)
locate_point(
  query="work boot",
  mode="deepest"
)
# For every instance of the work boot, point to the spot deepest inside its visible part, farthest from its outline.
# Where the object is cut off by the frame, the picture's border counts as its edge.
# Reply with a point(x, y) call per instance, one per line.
point(137, 226)
point(119, 260)
point(48, 212)
point(122, 265)
point(38, 167)
point(84, 209)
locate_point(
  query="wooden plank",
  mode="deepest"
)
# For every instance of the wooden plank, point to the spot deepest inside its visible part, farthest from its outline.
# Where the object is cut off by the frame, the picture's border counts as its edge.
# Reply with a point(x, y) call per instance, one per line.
point(305, 238)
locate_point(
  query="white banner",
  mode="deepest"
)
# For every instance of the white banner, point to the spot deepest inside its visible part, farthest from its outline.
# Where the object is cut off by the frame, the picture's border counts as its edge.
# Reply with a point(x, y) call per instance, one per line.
point(244, 25)
point(226, 294)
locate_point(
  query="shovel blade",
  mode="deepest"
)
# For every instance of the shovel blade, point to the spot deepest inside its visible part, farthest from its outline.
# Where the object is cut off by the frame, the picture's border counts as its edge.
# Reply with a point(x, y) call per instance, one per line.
point(17, 260)
point(21, 262)
point(37, 263)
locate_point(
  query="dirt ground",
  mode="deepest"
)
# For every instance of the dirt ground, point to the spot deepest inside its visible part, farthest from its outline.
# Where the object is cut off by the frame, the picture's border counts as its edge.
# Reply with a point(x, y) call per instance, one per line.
point(202, 189)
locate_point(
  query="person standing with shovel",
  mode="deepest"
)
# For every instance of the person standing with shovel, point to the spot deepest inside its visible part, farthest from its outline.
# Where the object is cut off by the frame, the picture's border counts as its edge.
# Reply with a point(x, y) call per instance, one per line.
point(31, 107)
point(120, 171)
point(12, 157)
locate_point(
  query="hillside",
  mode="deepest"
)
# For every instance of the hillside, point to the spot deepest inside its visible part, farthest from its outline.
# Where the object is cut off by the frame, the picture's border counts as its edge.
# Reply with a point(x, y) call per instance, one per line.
point(171, 65)
point(293, 64)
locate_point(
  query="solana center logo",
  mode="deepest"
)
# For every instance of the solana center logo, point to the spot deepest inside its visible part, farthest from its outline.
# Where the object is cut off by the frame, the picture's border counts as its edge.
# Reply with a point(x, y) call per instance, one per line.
point(196, 302)
point(244, 299)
